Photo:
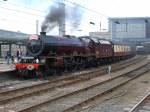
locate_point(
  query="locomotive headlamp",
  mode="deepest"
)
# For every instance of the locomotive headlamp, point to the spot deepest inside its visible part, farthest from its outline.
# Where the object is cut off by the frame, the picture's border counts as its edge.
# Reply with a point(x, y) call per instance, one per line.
point(30, 67)
point(15, 60)
point(43, 60)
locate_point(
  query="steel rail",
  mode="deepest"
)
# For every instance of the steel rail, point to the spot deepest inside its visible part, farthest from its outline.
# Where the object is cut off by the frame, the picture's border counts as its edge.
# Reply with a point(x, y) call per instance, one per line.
point(84, 89)
point(49, 87)
point(81, 104)
point(75, 76)
point(140, 103)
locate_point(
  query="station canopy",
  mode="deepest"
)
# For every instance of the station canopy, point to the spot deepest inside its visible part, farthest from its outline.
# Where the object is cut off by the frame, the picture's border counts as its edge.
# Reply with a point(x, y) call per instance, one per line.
point(11, 37)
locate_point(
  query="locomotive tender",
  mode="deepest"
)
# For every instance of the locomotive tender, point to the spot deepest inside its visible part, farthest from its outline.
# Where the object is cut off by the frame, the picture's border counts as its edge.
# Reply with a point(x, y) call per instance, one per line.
point(56, 54)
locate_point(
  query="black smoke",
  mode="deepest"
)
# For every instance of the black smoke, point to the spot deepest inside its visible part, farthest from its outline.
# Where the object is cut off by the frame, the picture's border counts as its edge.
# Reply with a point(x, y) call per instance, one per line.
point(59, 12)
point(53, 18)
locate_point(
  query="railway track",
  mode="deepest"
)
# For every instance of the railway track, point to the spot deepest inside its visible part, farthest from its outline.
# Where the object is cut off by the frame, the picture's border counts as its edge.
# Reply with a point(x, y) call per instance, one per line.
point(66, 80)
point(143, 105)
point(102, 89)
point(9, 82)
point(78, 98)
point(53, 95)
point(121, 64)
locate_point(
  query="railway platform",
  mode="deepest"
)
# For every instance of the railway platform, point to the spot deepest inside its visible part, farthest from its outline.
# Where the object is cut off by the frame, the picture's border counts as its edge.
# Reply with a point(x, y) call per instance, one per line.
point(4, 67)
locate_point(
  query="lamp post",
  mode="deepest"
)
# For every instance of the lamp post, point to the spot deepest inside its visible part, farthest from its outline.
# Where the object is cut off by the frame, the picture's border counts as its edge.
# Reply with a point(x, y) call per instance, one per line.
point(37, 27)
point(126, 25)
point(100, 25)
point(112, 28)
point(93, 25)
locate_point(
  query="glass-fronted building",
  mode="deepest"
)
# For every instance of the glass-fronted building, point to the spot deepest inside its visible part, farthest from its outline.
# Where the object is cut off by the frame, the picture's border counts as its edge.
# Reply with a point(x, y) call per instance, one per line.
point(130, 28)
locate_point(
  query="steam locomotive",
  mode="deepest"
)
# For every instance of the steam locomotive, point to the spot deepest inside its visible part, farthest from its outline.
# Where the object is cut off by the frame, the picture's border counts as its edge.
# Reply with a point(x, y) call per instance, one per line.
point(57, 54)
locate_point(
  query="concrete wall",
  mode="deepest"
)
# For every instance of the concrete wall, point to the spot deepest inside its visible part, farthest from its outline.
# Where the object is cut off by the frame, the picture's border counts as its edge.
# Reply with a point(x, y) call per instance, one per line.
point(105, 35)
point(134, 30)
point(147, 29)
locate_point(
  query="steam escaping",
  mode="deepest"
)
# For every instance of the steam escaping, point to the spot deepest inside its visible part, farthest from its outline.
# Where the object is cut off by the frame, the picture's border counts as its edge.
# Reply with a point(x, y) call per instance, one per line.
point(60, 14)
point(75, 14)
point(53, 18)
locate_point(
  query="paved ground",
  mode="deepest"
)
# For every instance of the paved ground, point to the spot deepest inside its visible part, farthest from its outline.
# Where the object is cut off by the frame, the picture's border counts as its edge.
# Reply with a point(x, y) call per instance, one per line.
point(124, 97)
point(2, 61)
point(4, 67)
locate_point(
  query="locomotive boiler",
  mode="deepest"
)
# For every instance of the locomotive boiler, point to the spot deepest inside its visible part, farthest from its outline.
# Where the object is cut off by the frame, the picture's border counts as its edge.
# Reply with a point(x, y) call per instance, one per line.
point(44, 45)
point(59, 53)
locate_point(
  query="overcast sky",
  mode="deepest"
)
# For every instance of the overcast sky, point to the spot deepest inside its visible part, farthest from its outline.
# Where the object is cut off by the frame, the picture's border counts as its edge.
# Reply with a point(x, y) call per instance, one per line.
point(21, 15)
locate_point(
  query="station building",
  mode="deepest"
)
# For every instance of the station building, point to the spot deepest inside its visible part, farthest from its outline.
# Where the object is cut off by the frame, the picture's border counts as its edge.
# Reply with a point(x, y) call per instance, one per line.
point(132, 29)
point(103, 35)
point(12, 41)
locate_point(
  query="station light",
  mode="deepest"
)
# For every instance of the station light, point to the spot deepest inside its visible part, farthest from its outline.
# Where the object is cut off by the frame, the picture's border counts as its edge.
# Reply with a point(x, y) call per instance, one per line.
point(117, 22)
point(92, 23)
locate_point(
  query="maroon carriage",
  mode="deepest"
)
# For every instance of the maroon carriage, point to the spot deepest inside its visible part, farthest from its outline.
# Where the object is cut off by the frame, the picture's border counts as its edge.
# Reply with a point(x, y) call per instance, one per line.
point(106, 50)
point(101, 49)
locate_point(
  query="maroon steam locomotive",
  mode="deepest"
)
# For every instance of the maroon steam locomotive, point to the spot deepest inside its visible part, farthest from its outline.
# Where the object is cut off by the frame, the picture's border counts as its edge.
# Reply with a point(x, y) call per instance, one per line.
point(71, 53)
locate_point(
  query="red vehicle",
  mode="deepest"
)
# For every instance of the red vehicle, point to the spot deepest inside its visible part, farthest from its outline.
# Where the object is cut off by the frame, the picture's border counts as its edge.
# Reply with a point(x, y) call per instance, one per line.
point(27, 66)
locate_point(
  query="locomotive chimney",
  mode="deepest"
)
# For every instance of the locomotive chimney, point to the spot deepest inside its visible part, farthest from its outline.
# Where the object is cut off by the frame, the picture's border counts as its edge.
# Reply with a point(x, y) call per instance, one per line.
point(43, 33)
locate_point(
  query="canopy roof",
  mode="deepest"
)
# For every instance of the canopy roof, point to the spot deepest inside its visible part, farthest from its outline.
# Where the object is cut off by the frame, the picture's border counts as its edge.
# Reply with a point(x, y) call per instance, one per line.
point(9, 36)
